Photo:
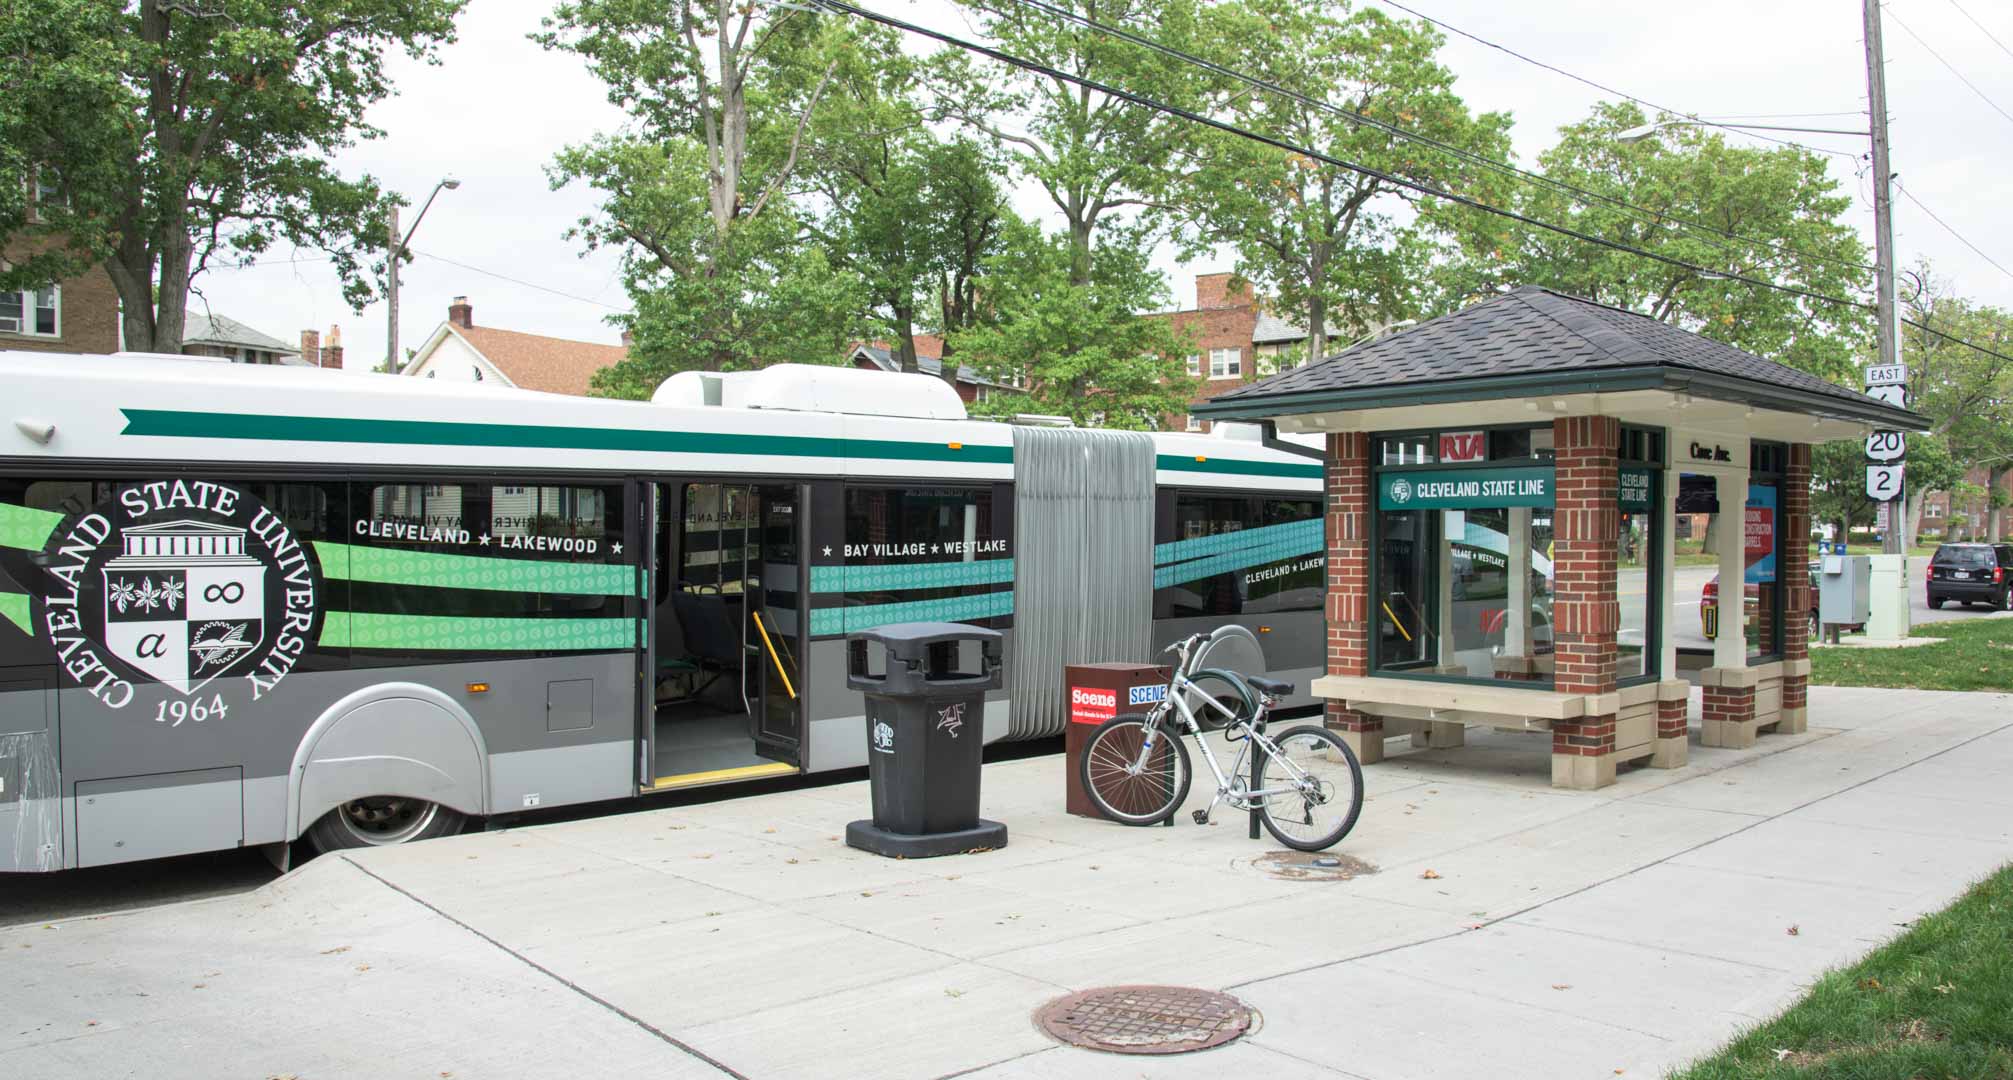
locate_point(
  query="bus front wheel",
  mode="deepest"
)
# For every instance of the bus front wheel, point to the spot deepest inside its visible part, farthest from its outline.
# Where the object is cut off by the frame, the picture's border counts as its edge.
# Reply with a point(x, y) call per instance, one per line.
point(382, 820)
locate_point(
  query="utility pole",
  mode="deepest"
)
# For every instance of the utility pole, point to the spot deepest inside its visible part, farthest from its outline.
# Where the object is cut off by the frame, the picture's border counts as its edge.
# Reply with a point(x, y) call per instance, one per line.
point(393, 242)
point(1883, 233)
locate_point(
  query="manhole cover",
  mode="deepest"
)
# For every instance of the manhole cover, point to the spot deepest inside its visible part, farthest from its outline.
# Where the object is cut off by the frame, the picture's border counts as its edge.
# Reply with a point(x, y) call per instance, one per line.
point(1311, 866)
point(1145, 1019)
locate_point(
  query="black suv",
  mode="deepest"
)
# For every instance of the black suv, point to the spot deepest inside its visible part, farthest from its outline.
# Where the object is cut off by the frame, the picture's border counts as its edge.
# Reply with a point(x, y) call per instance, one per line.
point(1971, 573)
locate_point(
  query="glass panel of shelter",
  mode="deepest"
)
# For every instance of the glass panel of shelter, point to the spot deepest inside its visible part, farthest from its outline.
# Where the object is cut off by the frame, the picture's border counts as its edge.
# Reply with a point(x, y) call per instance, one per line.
point(1446, 603)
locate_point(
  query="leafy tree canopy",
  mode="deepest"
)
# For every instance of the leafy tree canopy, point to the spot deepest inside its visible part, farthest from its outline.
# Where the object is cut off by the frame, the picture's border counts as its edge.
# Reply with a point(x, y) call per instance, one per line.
point(1079, 350)
point(1781, 197)
point(179, 134)
point(1339, 251)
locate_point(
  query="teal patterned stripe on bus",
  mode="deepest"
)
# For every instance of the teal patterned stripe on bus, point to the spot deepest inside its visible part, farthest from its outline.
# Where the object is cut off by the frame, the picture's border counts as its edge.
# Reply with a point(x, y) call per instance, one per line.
point(841, 620)
point(394, 566)
point(337, 429)
point(25, 527)
point(895, 576)
point(1208, 556)
point(457, 633)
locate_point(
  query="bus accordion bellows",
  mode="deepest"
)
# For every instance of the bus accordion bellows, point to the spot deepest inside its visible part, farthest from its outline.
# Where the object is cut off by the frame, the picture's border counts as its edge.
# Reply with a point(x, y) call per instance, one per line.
point(246, 605)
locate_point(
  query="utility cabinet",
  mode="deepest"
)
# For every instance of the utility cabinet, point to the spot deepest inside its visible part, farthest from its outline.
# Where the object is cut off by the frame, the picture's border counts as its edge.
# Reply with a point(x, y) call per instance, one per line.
point(1843, 589)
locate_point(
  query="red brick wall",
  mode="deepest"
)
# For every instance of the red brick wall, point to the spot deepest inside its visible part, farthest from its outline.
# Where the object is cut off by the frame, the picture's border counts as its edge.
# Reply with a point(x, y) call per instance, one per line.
point(89, 317)
point(1348, 600)
point(1218, 328)
point(1214, 291)
point(1796, 571)
point(1585, 615)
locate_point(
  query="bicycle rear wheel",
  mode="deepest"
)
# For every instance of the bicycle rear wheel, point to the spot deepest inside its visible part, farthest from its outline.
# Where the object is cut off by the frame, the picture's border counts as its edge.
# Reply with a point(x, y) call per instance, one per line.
point(1318, 789)
point(1130, 781)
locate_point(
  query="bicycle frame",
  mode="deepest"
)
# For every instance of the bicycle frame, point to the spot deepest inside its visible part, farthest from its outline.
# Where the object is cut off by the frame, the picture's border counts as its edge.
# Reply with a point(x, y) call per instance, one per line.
point(1230, 787)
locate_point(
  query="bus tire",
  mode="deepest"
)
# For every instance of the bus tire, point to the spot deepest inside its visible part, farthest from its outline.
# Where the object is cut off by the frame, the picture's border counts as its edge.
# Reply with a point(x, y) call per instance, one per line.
point(381, 821)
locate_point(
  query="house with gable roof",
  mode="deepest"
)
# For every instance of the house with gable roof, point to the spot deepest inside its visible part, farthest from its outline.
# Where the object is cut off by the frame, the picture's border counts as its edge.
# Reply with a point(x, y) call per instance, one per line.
point(460, 351)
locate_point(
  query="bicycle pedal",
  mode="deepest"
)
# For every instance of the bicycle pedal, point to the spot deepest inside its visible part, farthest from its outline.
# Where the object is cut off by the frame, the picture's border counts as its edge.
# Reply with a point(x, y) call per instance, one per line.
point(1201, 817)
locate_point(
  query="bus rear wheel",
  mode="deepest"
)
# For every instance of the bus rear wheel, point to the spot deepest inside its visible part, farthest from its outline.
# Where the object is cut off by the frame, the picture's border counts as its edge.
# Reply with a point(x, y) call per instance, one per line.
point(383, 820)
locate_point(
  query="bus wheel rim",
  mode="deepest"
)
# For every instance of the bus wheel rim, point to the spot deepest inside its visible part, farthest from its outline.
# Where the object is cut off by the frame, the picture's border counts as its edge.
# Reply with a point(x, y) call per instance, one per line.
point(379, 820)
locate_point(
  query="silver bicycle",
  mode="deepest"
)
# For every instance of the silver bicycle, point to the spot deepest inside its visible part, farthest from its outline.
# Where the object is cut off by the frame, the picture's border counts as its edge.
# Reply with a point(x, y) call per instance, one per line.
point(1309, 788)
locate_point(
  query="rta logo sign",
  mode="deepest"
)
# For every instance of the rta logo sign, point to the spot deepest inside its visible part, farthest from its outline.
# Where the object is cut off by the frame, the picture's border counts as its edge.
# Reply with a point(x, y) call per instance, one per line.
point(1401, 490)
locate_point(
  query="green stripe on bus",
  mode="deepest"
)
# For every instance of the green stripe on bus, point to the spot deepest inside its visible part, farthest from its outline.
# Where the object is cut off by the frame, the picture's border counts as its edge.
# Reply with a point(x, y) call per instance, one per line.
point(210, 425)
point(14, 606)
point(893, 577)
point(1186, 463)
point(26, 527)
point(455, 633)
point(840, 620)
point(391, 566)
point(175, 423)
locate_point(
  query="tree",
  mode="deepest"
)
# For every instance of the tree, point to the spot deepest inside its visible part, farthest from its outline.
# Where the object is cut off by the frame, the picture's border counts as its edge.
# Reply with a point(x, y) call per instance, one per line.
point(697, 193)
point(908, 212)
point(1337, 248)
point(1782, 196)
point(1092, 153)
point(1967, 393)
point(185, 133)
point(702, 302)
point(1079, 350)
point(1838, 487)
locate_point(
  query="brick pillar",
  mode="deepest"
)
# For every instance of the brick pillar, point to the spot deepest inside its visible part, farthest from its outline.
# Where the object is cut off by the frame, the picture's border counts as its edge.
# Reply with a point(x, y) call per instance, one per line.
point(1586, 524)
point(1348, 600)
point(1796, 591)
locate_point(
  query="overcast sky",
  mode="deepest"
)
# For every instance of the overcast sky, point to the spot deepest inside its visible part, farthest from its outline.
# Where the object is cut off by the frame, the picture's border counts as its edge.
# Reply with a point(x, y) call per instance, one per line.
point(497, 108)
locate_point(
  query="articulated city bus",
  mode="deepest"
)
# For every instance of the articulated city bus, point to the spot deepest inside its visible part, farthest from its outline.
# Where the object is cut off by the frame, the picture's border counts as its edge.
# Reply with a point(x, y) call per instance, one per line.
point(247, 605)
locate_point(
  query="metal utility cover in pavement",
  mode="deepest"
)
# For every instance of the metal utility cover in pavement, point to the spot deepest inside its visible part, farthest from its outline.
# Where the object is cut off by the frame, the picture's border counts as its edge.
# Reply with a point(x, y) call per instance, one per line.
point(1145, 1019)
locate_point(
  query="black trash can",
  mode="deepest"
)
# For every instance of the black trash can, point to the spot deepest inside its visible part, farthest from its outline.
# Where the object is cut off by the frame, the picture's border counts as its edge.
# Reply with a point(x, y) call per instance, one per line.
point(925, 736)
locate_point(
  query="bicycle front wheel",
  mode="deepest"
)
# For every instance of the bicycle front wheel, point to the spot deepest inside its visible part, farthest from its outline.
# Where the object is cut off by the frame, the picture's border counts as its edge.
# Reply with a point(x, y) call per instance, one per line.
point(1129, 780)
point(1316, 789)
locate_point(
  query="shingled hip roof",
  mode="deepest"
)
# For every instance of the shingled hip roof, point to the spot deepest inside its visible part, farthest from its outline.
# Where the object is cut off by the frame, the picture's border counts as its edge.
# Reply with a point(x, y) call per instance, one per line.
point(1536, 342)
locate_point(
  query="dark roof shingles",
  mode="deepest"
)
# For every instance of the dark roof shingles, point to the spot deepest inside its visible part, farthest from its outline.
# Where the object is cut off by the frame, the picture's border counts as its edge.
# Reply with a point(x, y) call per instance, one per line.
point(1530, 329)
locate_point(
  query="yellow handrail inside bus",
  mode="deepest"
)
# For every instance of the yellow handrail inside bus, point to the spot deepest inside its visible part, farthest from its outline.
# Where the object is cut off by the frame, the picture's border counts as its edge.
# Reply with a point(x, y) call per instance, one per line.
point(1395, 621)
point(773, 658)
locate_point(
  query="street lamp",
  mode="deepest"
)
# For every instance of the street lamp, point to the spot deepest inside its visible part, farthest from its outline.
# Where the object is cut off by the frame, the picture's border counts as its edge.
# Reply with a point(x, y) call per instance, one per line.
point(397, 251)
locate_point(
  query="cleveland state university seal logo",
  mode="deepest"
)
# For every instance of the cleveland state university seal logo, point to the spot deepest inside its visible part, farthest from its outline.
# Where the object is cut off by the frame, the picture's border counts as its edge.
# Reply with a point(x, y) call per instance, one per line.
point(179, 583)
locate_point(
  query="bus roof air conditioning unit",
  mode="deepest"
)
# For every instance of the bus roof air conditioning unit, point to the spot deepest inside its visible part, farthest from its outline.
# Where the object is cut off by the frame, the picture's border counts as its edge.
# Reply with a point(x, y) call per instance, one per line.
point(815, 388)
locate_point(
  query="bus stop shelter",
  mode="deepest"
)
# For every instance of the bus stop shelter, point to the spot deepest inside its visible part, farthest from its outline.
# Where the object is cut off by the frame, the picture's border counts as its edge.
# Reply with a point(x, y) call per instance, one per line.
point(1507, 491)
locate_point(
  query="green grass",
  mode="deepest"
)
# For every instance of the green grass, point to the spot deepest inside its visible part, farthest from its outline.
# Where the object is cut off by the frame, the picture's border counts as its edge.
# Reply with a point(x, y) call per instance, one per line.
point(1974, 655)
point(1935, 1003)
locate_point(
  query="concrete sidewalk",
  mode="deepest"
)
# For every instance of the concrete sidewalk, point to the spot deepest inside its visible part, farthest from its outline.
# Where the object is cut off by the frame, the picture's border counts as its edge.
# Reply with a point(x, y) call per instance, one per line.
point(1560, 934)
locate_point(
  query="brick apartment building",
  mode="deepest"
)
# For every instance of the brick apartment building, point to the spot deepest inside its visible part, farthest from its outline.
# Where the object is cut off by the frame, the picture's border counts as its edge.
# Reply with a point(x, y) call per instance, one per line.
point(1236, 339)
point(1940, 508)
point(78, 315)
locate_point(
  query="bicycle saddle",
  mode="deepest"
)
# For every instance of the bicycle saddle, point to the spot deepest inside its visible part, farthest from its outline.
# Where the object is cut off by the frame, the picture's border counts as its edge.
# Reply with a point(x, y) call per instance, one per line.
point(1274, 687)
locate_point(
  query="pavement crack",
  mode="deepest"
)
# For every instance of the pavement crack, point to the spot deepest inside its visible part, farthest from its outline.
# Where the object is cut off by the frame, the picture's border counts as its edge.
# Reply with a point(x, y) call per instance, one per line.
point(562, 980)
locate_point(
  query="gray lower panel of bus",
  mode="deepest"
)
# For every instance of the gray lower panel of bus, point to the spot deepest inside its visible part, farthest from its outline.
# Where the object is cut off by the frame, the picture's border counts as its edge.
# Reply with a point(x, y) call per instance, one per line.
point(548, 731)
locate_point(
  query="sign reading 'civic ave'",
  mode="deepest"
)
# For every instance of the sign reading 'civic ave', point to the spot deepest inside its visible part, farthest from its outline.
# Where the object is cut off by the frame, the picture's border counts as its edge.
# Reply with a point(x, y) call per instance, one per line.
point(1459, 489)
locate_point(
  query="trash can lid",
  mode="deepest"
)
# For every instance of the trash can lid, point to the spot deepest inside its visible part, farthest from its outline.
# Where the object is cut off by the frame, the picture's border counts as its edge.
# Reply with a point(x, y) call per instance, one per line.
point(914, 634)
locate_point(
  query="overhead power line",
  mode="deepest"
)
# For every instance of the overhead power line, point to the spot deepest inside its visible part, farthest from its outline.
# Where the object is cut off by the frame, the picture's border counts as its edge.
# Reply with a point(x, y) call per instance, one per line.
point(1051, 72)
point(1981, 29)
point(1953, 232)
point(1415, 13)
point(512, 280)
point(1645, 214)
point(1947, 65)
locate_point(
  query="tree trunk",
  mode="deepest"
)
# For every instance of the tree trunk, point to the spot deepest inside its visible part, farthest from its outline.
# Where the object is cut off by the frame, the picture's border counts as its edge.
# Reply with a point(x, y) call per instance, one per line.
point(905, 341)
point(1317, 327)
point(1709, 545)
point(1079, 251)
point(1912, 517)
point(1995, 482)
